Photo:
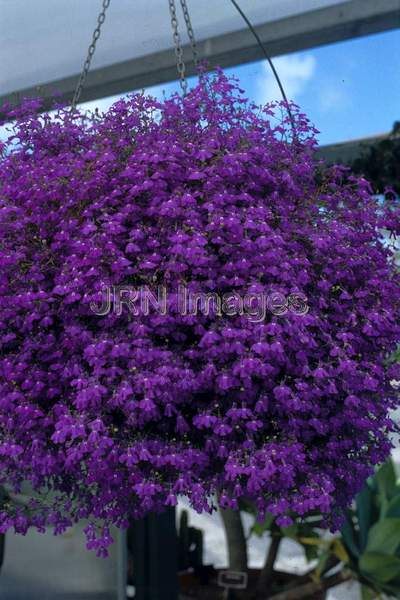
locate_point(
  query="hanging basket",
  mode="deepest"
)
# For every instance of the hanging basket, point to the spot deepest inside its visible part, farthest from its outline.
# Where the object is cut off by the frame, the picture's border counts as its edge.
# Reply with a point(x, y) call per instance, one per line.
point(274, 386)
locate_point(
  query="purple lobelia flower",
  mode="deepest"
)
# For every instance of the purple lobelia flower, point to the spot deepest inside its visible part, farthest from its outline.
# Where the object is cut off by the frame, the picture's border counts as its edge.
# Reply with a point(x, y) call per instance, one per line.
point(110, 416)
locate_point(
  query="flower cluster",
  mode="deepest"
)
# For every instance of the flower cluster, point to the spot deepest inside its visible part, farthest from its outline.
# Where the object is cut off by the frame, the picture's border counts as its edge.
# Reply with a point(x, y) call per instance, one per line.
point(111, 417)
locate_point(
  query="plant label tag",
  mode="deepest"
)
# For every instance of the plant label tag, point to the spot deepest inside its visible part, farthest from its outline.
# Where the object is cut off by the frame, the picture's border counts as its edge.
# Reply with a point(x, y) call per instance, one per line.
point(232, 579)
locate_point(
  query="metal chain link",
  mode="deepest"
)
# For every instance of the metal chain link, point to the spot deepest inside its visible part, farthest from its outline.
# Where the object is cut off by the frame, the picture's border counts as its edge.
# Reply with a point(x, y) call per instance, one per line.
point(91, 50)
point(180, 64)
point(190, 32)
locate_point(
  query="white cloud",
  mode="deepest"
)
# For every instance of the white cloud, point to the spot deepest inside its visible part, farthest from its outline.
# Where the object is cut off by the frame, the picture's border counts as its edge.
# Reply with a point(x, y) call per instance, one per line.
point(295, 71)
point(333, 96)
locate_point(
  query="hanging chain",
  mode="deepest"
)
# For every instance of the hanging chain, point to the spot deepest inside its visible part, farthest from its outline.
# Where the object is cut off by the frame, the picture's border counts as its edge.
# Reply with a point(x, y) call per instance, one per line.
point(190, 32)
point(91, 50)
point(180, 64)
point(271, 64)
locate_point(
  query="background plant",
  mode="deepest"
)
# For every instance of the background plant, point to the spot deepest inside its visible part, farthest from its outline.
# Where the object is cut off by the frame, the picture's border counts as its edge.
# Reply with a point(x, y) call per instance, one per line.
point(380, 163)
point(366, 550)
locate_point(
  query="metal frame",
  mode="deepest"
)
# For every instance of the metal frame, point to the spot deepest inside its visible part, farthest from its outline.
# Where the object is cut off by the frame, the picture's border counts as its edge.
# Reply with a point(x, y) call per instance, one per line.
point(346, 152)
point(340, 22)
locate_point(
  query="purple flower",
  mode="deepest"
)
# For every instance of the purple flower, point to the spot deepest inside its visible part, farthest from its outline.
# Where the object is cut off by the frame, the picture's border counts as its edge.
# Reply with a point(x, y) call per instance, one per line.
point(118, 414)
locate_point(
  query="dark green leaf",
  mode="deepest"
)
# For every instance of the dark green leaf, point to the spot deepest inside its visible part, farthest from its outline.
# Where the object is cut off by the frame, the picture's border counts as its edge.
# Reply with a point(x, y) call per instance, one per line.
point(349, 539)
point(367, 593)
point(380, 567)
point(311, 552)
point(259, 528)
point(384, 536)
point(322, 562)
point(393, 508)
point(364, 505)
point(247, 506)
point(386, 478)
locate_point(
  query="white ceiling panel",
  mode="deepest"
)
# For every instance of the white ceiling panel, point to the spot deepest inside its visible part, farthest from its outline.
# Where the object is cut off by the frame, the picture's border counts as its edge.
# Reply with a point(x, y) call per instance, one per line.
point(43, 42)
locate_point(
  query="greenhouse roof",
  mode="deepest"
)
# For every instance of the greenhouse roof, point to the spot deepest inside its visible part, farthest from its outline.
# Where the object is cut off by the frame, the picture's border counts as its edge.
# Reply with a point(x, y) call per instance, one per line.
point(43, 43)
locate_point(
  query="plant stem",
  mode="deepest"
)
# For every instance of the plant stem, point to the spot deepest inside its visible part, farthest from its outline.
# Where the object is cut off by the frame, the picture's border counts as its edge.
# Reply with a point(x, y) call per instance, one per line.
point(236, 545)
point(235, 539)
point(268, 568)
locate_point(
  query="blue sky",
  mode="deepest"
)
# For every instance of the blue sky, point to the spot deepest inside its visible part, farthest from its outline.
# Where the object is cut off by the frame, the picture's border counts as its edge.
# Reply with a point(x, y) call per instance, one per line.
point(348, 90)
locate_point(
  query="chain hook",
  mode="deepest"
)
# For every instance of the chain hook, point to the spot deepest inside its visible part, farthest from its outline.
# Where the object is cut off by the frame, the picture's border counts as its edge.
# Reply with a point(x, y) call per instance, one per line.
point(190, 32)
point(91, 50)
point(180, 63)
point(177, 42)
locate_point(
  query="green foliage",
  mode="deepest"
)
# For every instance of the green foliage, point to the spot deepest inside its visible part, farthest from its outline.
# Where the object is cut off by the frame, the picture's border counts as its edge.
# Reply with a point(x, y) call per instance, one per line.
point(380, 164)
point(368, 544)
point(395, 357)
point(371, 533)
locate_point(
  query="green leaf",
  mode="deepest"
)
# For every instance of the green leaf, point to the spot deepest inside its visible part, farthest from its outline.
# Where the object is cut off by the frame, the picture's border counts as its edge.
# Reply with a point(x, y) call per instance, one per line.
point(322, 563)
point(391, 590)
point(348, 535)
point(386, 478)
point(395, 357)
point(312, 541)
point(367, 593)
point(364, 504)
point(311, 553)
point(259, 528)
point(300, 529)
point(384, 536)
point(393, 508)
point(380, 567)
point(291, 532)
point(339, 550)
point(247, 506)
